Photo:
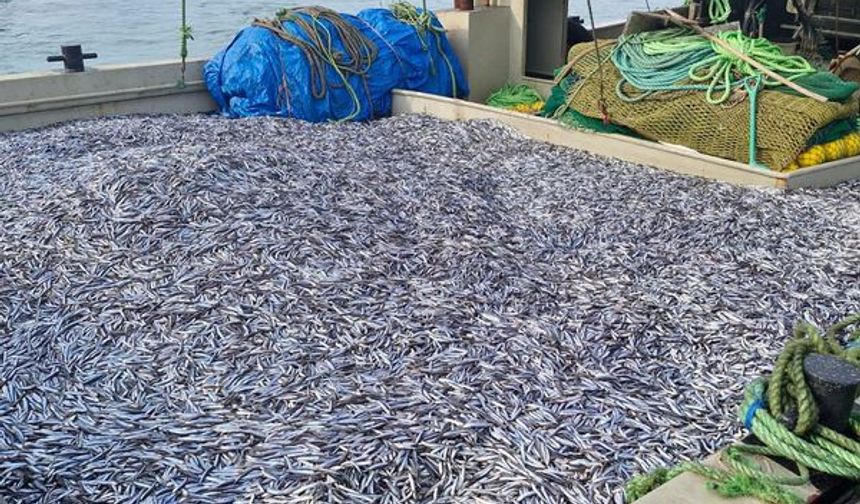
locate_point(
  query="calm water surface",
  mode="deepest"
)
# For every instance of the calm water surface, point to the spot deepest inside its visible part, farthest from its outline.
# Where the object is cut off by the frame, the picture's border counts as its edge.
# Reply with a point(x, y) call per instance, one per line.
point(123, 31)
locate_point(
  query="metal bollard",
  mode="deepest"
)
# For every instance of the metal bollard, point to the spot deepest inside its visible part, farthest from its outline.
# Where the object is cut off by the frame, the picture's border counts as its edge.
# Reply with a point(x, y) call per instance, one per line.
point(72, 57)
point(835, 383)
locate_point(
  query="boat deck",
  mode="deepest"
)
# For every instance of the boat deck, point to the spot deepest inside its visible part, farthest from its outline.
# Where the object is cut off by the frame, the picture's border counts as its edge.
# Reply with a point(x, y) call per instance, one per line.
point(215, 310)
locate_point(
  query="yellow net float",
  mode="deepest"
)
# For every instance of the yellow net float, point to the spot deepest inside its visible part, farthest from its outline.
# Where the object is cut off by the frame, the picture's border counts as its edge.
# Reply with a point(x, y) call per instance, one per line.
point(852, 144)
point(815, 155)
point(529, 108)
point(845, 147)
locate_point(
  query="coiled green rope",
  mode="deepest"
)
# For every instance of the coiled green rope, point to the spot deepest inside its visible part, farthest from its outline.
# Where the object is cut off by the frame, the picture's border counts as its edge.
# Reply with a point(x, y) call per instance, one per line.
point(807, 443)
point(677, 59)
point(512, 95)
point(718, 10)
point(658, 61)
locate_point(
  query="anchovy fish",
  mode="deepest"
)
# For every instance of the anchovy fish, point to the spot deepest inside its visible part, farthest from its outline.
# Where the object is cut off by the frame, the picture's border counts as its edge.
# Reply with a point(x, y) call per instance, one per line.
point(197, 309)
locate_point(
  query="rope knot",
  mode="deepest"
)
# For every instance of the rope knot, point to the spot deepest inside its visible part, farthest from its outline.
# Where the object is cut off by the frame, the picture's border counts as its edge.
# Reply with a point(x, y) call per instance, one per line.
point(604, 111)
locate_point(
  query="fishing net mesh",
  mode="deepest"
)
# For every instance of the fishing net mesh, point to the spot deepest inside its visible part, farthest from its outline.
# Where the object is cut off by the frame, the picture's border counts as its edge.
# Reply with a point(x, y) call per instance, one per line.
point(574, 119)
point(785, 122)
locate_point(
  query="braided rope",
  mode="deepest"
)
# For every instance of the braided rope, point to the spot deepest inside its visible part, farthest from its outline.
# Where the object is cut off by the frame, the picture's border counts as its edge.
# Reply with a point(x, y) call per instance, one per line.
point(677, 59)
point(317, 45)
point(766, 402)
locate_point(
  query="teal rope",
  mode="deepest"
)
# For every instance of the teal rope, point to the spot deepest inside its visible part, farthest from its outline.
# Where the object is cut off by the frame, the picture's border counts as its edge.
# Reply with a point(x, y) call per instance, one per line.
point(753, 85)
point(678, 60)
point(668, 61)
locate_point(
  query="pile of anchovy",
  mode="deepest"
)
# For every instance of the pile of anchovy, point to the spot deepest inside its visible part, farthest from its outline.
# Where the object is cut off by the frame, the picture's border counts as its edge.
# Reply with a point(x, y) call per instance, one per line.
point(207, 310)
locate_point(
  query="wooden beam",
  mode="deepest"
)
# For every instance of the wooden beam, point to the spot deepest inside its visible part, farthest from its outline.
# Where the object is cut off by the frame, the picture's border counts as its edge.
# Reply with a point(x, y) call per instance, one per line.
point(689, 488)
point(668, 157)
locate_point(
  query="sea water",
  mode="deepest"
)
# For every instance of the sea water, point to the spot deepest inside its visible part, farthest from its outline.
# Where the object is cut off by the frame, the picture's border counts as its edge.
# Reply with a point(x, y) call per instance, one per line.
point(123, 31)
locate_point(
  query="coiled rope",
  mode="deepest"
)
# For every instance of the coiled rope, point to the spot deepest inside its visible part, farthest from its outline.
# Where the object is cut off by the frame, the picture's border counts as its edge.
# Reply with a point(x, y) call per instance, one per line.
point(317, 44)
point(767, 402)
point(422, 22)
point(719, 11)
point(520, 98)
point(677, 59)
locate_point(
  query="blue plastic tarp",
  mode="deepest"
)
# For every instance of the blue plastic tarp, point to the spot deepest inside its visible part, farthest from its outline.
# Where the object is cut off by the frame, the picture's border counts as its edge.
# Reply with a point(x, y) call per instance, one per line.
point(430, 64)
point(260, 73)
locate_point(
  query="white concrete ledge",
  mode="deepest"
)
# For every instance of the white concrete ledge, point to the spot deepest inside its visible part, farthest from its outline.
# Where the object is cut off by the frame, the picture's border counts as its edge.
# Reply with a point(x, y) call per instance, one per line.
point(58, 102)
point(33, 100)
point(689, 488)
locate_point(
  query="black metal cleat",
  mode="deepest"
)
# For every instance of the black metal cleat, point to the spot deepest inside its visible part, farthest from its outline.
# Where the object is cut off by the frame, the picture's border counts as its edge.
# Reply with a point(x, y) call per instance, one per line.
point(834, 383)
point(72, 58)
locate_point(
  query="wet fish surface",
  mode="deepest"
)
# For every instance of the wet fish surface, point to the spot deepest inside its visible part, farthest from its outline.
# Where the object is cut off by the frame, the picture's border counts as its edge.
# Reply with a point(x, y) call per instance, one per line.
point(195, 309)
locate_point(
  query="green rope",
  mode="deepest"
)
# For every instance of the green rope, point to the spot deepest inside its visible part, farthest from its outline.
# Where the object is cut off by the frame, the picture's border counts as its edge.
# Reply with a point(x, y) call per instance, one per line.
point(718, 10)
point(556, 108)
point(422, 22)
point(512, 95)
point(677, 59)
point(658, 61)
point(185, 35)
point(359, 51)
point(766, 401)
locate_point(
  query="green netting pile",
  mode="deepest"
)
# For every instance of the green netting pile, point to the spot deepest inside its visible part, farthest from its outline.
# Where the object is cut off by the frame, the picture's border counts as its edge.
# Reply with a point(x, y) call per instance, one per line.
point(710, 107)
point(555, 106)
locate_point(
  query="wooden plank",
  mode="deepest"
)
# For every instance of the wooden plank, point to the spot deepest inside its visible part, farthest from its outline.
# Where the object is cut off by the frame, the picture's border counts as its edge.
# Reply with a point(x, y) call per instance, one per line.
point(691, 488)
point(672, 158)
point(668, 157)
point(825, 175)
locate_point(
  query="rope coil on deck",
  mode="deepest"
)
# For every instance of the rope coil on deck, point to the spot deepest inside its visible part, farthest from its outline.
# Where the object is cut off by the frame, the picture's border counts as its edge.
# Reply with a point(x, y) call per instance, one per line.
point(767, 403)
point(676, 59)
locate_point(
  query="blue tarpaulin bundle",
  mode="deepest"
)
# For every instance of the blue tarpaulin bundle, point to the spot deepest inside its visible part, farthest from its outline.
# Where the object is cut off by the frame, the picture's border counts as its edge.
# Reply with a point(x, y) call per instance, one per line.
point(317, 65)
point(430, 64)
